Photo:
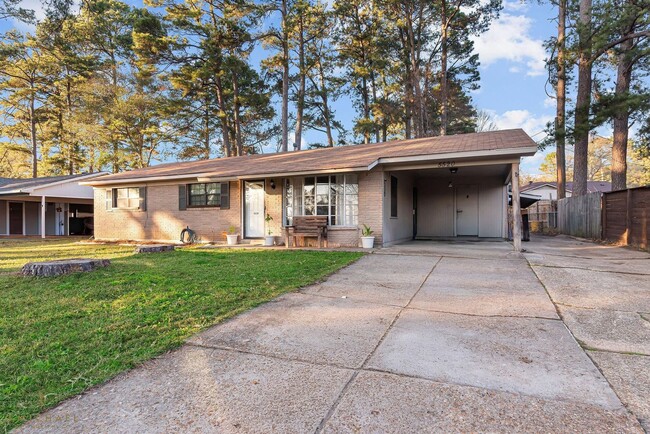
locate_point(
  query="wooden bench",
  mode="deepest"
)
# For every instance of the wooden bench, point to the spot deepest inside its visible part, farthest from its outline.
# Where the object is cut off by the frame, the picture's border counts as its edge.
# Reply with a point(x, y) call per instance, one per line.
point(313, 226)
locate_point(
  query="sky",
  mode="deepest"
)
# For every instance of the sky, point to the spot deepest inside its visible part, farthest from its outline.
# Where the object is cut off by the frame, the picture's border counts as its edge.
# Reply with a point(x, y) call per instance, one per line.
point(513, 79)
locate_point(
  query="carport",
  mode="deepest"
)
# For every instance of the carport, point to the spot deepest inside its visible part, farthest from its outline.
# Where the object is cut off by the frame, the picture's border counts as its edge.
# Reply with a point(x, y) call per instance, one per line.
point(55, 205)
point(457, 199)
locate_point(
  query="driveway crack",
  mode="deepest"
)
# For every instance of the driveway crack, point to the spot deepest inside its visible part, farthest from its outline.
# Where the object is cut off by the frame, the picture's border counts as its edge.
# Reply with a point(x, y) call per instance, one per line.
point(345, 388)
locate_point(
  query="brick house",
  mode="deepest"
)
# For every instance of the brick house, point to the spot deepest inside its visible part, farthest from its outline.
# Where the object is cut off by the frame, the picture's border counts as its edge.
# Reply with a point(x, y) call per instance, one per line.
point(425, 188)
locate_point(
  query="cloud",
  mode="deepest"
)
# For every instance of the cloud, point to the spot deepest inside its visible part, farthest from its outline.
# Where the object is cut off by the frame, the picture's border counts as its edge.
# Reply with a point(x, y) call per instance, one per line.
point(508, 38)
point(529, 122)
point(515, 5)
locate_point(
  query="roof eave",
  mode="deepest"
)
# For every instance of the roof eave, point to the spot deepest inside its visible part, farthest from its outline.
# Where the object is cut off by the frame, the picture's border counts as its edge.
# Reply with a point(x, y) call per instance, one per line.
point(521, 152)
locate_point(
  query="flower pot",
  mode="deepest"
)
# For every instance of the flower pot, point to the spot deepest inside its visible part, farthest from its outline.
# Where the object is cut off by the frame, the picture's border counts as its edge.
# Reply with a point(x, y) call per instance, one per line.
point(269, 240)
point(367, 242)
point(232, 239)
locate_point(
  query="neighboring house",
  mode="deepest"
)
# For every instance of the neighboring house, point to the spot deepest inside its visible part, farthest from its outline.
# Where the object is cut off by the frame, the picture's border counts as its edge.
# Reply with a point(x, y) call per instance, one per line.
point(55, 205)
point(548, 190)
point(425, 188)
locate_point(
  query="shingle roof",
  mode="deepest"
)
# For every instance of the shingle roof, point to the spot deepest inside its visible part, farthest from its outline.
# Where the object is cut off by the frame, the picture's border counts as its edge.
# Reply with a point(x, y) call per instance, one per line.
point(15, 185)
point(592, 186)
point(329, 159)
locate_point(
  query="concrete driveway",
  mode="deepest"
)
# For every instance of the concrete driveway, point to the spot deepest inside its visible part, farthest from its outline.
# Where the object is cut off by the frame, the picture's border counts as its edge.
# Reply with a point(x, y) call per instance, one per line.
point(421, 337)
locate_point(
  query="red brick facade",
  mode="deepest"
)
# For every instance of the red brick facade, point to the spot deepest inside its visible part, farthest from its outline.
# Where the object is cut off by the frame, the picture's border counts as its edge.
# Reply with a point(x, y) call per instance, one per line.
point(163, 220)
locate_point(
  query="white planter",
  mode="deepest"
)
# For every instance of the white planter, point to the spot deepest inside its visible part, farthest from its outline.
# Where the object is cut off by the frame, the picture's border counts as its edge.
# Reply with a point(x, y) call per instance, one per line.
point(367, 242)
point(232, 239)
point(269, 240)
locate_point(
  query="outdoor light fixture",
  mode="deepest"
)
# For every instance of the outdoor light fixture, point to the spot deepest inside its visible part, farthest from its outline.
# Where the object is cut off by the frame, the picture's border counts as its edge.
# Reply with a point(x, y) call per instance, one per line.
point(453, 169)
point(273, 184)
point(450, 185)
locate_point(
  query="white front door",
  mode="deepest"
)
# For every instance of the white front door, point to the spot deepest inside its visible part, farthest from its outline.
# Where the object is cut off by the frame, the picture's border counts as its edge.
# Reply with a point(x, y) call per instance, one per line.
point(467, 210)
point(253, 209)
point(60, 219)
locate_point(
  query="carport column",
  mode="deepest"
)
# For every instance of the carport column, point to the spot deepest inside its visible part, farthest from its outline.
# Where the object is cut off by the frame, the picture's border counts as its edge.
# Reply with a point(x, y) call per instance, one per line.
point(43, 208)
point(516, 208)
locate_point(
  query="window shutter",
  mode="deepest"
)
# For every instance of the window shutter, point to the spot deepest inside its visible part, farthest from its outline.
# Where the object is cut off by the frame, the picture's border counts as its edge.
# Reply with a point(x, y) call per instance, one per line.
point(109, 198)
point(143, 199)
point(225, 195)
point(182, 197)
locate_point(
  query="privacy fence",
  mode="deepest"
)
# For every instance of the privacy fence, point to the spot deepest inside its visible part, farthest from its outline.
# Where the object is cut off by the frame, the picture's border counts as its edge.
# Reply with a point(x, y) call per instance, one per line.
point(621, 217)
point(580, 216)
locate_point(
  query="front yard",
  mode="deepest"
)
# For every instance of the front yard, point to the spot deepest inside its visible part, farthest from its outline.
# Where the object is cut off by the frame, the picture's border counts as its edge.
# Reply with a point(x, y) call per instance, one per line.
point(59, 336)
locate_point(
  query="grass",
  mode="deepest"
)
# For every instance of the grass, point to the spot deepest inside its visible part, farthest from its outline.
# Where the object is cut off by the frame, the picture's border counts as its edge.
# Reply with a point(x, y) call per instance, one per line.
point(62, 335)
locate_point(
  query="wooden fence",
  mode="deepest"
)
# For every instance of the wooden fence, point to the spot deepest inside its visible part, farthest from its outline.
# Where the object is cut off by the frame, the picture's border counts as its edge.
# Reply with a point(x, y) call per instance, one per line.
point(580, 216)
point(626, 216)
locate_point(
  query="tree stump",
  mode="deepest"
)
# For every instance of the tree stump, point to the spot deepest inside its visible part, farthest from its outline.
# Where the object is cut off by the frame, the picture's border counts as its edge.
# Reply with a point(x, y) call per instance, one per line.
point(63, 266)
point(154, 248)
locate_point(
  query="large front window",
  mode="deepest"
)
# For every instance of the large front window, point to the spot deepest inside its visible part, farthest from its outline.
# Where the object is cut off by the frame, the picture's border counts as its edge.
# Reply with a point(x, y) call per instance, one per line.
point(203, 195)
point(334, 196)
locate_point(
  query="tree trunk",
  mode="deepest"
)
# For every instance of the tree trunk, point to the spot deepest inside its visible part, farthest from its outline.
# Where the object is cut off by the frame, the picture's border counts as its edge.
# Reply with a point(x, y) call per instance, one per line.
point(444, 98)
point(32, 135)
point(300, 103)
point(366, 109)
point(285, 79)
point(236, 119)
point(374, 101)
point(415, 82)
point(206, 129)
point(326, 109)
point(621, 118)
point(560, 119)
point(583, 102)
point(225, 133)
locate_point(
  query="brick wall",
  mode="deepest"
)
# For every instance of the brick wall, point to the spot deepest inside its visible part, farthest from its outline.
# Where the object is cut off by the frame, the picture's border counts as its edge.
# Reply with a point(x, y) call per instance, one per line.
point(163, 220)
point(273, 207)
point(371, 199)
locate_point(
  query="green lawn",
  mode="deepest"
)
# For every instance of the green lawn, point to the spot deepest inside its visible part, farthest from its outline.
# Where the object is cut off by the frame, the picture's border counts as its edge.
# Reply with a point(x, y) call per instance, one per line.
point(59, 336)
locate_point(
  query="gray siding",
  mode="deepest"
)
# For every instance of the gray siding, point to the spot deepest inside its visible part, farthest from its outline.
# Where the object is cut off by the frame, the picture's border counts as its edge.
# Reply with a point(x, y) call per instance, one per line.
point(399, 228)
point(3, 217)
point(32, 218)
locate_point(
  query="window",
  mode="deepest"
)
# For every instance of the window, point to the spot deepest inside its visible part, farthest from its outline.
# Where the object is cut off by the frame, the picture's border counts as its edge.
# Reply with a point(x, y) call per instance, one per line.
point(202, 195)
point(336, 197)
point(393, 196)
point(126, 198)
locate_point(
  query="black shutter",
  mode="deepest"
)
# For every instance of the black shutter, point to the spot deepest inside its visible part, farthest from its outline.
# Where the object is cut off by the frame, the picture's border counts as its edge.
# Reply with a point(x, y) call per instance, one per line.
point(182, 197)
point(143, 199)
point(225, 195)
point(109, 198)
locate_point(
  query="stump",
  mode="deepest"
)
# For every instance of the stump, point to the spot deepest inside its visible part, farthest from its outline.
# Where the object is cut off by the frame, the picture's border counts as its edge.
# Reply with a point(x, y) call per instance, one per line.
point(63, 266)
point(154, 248)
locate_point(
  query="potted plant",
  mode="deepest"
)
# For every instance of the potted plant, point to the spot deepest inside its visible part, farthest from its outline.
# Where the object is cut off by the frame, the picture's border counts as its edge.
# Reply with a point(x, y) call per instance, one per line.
point(367, 240)
point(232, 235)
point(269, 239)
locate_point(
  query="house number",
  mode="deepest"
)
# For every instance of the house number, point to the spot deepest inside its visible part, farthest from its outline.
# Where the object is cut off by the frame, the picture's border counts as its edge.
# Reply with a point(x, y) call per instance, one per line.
point(446, 164)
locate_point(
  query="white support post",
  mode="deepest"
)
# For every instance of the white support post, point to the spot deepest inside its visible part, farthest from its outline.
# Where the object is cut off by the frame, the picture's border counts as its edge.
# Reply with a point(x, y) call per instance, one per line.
point(516, 208)
point(43, 208)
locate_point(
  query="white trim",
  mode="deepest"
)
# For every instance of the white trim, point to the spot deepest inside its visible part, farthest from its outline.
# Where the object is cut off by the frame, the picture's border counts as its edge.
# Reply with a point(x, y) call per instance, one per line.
point(65, 181)
point(145, 179)
point(42, 216)
point(530, 150)
point(215, 177)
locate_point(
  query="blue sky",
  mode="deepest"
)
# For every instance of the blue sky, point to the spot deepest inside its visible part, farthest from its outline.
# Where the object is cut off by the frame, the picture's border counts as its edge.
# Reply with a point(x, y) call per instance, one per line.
point(513, 79)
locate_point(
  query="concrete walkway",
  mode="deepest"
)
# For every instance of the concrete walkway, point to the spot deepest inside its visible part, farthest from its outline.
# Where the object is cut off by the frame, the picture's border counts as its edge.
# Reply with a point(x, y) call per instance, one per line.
point(421, 337)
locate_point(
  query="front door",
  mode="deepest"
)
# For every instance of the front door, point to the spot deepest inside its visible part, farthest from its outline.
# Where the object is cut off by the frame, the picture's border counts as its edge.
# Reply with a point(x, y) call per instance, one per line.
point(15, 218)
point(467, 210)
point(253, 209)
